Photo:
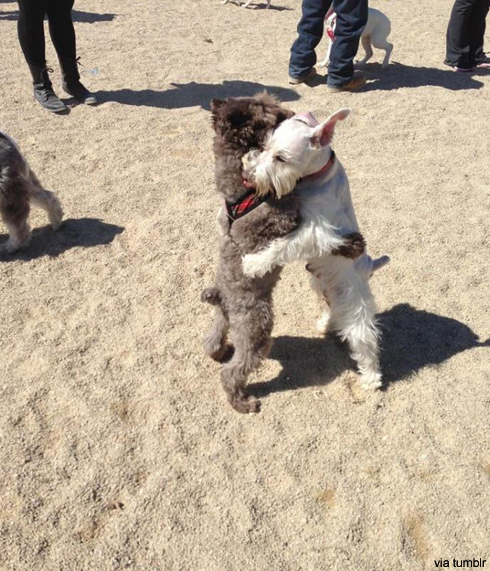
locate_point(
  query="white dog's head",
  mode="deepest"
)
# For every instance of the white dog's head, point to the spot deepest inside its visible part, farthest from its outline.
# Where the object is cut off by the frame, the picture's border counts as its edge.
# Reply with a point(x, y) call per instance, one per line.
point(300, 146)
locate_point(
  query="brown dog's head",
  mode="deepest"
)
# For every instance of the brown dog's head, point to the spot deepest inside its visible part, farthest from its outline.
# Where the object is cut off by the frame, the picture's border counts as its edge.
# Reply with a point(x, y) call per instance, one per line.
point(245, 121)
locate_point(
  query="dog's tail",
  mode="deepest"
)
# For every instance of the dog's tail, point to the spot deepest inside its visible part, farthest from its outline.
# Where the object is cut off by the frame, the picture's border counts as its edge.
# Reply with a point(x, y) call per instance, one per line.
point(211, 295)
point(49, 202)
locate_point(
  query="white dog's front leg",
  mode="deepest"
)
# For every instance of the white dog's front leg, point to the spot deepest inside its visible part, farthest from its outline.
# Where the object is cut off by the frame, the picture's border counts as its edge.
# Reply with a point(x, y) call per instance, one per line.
point(306, 243)
point(261, 263)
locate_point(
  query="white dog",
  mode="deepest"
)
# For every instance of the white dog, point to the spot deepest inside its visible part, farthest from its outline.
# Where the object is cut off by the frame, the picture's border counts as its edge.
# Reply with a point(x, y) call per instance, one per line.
point(376, 32)
point(298, 156)
point(246, 5)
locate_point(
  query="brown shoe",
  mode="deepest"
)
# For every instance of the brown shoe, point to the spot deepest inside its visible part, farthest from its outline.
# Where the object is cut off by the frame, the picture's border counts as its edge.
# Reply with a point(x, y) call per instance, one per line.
point(297, 80)
point(354, 84)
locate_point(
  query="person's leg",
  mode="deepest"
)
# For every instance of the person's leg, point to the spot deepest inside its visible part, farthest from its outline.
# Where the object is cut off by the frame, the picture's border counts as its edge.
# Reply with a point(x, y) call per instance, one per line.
point(477, 32)
point(30, 28)
point(63, 36)
point(458, 34)
point(310, 33)
point(61, 28)
point(351, 20)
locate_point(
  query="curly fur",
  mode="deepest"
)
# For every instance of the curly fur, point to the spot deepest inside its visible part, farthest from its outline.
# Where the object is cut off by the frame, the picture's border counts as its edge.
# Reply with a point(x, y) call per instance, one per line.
point(19, 188)
point(243, 306)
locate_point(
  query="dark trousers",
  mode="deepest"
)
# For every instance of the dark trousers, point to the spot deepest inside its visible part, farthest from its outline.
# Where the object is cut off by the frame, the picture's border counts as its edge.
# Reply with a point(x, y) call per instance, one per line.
point(31, 29)
point(465, 33)
point(351, 20)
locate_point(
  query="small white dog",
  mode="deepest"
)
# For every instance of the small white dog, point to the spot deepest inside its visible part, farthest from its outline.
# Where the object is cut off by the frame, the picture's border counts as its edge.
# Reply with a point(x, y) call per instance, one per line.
point(246, 5)
point(376, 32)
point(298, 157)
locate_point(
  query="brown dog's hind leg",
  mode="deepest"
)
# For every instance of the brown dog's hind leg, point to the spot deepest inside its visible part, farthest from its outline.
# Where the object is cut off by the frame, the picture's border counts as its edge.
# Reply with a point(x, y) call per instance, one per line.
point(354, 246)
point(250, 333)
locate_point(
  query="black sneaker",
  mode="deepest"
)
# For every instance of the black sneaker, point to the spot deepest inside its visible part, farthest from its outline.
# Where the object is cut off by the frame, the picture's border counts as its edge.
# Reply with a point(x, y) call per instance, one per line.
point(72, 84)
point(80, 93)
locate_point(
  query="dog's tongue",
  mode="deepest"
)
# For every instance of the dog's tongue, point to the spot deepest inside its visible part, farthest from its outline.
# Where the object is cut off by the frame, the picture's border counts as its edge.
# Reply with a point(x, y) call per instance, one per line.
point(307, 118)
point(247, 183)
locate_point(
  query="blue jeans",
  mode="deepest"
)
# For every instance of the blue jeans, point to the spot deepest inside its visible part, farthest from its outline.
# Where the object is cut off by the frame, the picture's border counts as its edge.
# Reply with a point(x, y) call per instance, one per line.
point(351, 20)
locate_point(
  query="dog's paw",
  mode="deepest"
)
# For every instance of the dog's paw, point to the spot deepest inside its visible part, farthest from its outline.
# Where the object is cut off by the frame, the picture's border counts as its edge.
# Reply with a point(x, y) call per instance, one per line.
point(354, 246)
point(211, 295)
point(220, 353)
point(56, 218)
point(371, 381)
point(245, 404)
point(12, 246)
point(323, 323)
point(253, 266)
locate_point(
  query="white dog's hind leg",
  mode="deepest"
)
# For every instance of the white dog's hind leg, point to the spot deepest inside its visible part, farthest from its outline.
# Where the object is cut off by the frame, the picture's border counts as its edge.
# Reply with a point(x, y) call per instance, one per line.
point(388, 48)
point(379, 39)
point(353, 316)
point(247, 4)
point(322, 325)
point(366, 44)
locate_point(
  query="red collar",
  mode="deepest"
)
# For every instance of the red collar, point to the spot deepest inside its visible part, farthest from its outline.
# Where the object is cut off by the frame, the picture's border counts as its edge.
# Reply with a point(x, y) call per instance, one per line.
point(321, 172)
point(244, 205)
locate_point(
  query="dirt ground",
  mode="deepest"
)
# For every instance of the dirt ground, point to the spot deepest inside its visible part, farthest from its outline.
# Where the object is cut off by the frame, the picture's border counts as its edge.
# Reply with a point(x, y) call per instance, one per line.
point(118, 449)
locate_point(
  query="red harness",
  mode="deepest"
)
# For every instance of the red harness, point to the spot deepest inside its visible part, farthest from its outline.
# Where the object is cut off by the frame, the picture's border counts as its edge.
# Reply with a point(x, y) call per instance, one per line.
point(244, 205)
point(250, 200)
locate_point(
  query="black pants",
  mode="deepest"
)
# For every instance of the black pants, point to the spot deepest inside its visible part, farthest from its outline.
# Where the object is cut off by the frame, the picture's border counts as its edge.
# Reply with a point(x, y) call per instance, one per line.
point(31, 29)
point(465, 32)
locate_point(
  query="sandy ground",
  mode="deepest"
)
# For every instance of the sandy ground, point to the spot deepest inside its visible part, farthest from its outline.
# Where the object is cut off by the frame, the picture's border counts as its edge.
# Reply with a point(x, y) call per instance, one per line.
point(117, 447)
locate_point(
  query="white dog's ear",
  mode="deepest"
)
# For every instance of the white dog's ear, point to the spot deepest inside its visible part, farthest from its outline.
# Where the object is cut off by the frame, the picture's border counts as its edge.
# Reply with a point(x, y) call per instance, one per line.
point(323, 134)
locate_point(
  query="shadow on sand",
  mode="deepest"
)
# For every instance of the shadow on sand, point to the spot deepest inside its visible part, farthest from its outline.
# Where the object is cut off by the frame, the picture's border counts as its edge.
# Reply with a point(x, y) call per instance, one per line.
point(398, 76)
point(77, 16)
point(412, 339)
point(73, 233)
point(193, 94)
